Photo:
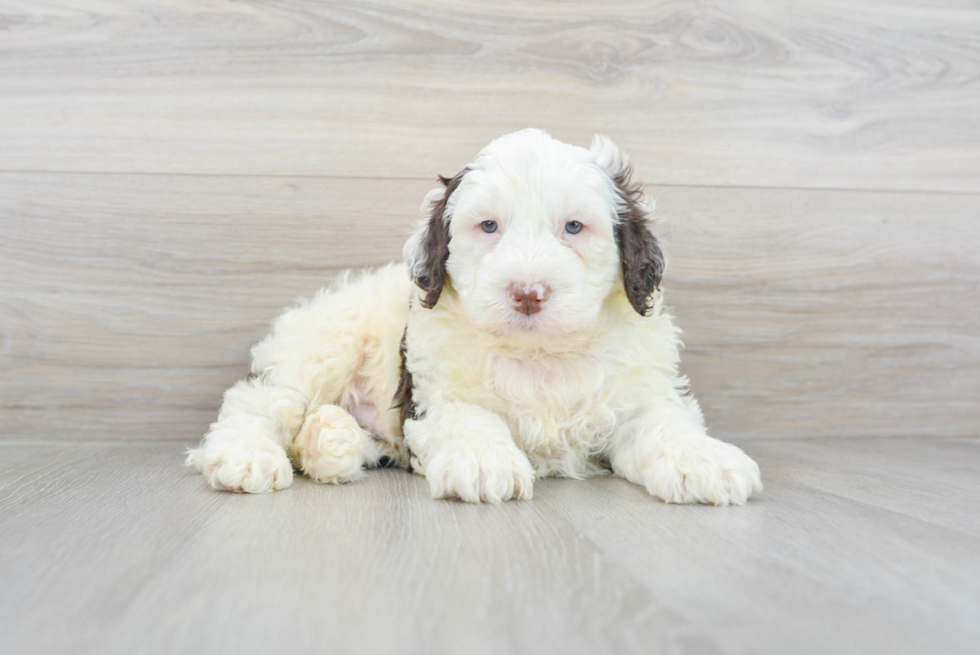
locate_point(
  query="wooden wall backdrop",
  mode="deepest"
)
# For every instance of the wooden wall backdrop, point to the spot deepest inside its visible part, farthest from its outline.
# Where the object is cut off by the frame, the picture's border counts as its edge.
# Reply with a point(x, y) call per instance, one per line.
point(174, 173)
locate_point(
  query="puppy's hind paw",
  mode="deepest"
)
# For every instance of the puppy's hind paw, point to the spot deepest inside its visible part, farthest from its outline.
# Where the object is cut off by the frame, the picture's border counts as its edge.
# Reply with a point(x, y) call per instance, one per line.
point(330, 447)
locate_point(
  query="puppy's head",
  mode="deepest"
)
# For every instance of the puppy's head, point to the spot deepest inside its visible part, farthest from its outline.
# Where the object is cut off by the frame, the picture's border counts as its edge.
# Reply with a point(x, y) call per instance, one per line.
point(535, 235)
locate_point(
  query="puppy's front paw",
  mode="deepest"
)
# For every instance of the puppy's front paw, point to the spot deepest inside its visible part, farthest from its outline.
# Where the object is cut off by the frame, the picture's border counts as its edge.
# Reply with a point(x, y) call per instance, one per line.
point(702, 470)
point(475, 472)
point(243, 465)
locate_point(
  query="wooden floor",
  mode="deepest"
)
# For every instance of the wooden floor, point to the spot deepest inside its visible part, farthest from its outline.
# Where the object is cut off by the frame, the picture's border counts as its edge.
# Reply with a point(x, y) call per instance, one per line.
point(175, 172)
point(856, 546)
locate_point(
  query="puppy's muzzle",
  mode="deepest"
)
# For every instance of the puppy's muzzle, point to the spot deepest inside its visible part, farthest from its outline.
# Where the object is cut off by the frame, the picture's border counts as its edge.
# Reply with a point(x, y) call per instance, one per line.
point(528, 299)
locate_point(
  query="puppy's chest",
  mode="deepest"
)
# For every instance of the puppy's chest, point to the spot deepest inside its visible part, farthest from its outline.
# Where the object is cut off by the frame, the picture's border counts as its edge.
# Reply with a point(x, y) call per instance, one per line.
point(554, 391)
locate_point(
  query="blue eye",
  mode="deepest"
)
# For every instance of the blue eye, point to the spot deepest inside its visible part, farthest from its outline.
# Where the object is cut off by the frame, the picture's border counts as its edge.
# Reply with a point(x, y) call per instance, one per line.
point(489, 226)
point(573, 227)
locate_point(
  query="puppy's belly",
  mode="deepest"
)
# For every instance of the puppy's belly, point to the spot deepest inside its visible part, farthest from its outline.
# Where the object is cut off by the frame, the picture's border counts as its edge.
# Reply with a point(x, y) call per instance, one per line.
point(366, 409)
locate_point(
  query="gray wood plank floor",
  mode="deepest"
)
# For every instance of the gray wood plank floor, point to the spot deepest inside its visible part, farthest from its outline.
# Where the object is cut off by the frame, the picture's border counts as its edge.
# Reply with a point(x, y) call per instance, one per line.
point(856, 546)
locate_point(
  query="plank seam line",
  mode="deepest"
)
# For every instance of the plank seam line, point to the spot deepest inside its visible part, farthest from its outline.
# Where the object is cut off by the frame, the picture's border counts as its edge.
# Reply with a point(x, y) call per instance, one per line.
point(195, 440)
point(943, 192)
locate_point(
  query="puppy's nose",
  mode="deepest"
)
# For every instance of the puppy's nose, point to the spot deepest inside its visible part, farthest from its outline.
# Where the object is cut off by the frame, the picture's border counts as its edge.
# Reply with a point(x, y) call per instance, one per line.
point(528, 298)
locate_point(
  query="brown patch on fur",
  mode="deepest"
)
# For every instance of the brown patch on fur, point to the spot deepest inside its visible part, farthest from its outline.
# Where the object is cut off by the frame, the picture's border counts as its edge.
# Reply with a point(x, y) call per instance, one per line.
point(403, 395)
point(642, 258)
point(430, 274)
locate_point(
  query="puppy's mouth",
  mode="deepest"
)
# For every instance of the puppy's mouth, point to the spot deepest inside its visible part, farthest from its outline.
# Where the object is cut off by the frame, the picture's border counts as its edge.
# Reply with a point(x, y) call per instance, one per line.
point(523, 321)
point(537, 320)
point(510, 322)
point(523, 312)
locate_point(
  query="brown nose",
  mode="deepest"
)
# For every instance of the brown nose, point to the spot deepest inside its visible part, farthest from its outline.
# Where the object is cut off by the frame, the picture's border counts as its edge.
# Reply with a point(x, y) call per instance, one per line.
point(528, 298)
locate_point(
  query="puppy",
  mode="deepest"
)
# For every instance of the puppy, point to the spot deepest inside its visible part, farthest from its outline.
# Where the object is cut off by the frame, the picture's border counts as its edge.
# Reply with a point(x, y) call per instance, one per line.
point(526, 337)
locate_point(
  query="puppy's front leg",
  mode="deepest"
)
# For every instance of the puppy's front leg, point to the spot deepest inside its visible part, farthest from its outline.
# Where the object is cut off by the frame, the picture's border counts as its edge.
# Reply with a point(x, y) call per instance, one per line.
point(667, 450)
point(466, 452)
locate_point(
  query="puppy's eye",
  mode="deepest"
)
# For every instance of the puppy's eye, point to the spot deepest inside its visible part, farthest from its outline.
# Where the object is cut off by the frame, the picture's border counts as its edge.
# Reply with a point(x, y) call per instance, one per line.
point(573, 227)
point(489, 226)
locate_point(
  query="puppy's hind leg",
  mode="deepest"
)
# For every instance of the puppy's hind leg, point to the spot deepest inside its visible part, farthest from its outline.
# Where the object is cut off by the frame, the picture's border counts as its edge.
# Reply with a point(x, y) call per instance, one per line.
point(314, 356)
point(331, 447)
point(244, 449)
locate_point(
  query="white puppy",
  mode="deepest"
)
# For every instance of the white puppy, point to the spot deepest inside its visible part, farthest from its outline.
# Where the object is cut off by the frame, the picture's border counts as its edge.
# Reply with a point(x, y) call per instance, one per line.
point(527, 337)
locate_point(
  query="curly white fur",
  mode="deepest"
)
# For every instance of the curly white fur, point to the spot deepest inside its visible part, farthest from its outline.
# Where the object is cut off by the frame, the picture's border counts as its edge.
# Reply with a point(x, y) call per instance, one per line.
point(573, 382)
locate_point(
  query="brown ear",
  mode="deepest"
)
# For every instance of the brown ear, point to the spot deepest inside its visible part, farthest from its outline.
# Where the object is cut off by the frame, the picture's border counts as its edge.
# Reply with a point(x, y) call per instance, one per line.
point(428, 249)
point(640, 253)
point(643, 260)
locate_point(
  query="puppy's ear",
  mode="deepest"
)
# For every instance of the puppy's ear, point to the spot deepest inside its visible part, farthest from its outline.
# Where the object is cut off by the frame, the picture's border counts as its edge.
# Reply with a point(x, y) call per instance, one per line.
point(427, 250)
point(639, 250)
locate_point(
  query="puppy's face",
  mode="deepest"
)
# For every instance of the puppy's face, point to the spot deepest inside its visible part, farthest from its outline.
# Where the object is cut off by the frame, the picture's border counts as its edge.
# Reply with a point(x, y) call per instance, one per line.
point(534, 235)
